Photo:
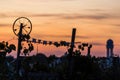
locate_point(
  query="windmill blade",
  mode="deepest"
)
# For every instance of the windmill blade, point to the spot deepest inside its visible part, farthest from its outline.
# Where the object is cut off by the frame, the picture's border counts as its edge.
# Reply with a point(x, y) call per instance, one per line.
point(25, 30)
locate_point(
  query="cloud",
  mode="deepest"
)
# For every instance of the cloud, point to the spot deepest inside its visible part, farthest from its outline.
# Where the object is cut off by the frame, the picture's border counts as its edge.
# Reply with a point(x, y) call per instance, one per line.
point(96, 16)
point(3, 15)
point(66, 0)
point(62, 36)
point(77, 16)
point(46, 15)
point(97, 44)
point(66, 36)
point(3, 25)
point(117, 25)
point(13, 14)
point(54, 0)
point(95, 10)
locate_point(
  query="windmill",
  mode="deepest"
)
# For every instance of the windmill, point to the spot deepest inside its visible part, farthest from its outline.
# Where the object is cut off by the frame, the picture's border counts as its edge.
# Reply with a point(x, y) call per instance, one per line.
point(22, 27)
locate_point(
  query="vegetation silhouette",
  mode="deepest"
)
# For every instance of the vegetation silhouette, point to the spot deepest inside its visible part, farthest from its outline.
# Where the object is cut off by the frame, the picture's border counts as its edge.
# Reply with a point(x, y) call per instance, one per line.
point(71, 66)
point(39, 67)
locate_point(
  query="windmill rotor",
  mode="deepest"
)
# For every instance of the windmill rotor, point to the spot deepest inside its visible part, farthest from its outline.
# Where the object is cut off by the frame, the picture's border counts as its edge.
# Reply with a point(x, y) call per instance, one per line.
point(23, 22)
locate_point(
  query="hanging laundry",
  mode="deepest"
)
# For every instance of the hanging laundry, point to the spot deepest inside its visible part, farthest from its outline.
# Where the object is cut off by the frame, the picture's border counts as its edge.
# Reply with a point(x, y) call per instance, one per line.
point(62, 43)
point(50, 43)
point(34, 40)
point(56, 44)
point(39, 41)
point(44, 42)
point(67, 44)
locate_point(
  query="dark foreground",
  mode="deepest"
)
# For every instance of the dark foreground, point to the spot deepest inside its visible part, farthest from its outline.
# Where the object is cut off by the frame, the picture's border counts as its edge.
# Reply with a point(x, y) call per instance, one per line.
point(40, 67)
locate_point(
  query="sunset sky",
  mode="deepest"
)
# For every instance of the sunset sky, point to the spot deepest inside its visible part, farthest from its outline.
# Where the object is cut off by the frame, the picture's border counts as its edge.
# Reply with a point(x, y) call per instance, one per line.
point(95, 20)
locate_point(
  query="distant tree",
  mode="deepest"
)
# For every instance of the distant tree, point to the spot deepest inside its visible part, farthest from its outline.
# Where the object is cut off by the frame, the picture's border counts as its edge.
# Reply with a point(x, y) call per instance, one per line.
point(4, 49)
point(40, 63)
point(51, 58)
point(84, 68)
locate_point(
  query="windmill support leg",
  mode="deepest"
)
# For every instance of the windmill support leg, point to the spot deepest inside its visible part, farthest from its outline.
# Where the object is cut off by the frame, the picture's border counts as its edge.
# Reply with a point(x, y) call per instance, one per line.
point(19, 49)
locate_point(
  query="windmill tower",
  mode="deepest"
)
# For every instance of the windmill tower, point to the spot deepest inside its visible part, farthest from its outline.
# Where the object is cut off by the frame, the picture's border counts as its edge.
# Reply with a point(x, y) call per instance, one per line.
point(109, 47)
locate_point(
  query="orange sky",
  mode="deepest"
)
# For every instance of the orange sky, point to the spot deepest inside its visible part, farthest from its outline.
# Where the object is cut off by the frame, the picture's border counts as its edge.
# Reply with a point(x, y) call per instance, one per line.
point(95, 20)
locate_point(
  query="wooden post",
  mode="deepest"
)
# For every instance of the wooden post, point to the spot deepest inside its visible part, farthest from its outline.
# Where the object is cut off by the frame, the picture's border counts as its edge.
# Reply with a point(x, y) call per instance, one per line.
point(70, 65)
point(89, 47)
point(72, 40)
point(19, 47)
